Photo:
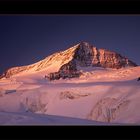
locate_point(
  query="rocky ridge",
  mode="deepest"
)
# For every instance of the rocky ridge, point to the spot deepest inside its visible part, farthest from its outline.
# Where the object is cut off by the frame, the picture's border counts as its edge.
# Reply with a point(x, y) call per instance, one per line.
point(64, 63)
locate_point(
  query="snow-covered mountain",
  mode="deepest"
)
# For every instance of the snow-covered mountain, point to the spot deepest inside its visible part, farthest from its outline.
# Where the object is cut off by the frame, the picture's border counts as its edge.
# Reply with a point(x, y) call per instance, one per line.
point(107, 92)
point(80, 55)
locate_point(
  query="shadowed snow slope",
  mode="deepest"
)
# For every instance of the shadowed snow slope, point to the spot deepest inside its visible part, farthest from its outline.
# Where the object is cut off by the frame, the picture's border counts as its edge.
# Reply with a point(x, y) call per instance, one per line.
point(104, 95)
point(11, 118)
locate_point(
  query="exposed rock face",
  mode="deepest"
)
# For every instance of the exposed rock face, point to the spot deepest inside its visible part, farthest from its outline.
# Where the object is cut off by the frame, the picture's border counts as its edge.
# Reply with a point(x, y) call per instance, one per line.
point(82, 54)
point(68, 70)
point(110, 59)
point(88, 55)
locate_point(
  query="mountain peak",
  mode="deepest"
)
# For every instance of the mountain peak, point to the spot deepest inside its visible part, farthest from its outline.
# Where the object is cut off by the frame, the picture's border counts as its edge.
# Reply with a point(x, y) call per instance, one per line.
point(83, 43)
point(83, 54)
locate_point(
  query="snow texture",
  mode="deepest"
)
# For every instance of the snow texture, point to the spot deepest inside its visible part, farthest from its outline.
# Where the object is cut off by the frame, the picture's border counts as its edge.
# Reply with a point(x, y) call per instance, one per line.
point(102, 95)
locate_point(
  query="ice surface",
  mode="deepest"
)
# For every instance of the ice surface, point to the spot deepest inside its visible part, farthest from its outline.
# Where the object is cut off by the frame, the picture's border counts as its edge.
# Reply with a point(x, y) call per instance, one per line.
point(103, 95)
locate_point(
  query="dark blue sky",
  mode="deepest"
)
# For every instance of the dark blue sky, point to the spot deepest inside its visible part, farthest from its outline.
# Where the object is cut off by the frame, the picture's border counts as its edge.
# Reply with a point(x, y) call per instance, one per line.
point(28, 39)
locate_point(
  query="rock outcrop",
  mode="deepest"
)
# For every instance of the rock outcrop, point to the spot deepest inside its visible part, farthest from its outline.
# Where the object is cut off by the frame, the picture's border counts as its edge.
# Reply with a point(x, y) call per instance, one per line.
point(88, 55)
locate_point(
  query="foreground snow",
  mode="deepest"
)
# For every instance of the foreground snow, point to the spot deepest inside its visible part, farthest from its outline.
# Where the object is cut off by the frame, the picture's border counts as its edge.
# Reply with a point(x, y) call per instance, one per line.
point(105, 95)
point(11, 118)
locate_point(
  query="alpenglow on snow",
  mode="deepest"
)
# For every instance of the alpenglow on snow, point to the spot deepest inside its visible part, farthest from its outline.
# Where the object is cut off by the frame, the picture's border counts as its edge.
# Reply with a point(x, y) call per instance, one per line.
point(64, 63)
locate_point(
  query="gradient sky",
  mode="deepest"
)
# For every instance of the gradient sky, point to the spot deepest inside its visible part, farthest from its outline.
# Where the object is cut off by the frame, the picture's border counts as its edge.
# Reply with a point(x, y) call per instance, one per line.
point(28, 39)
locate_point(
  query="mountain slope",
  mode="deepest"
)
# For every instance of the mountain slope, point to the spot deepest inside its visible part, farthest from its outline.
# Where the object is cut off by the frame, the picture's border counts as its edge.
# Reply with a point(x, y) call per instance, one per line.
point(104, 88)
point(105, 95)
point(82, 54)
point(51, 63)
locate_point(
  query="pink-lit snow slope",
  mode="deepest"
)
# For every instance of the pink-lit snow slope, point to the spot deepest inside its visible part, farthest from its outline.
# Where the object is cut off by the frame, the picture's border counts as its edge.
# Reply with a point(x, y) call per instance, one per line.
point(103, 95)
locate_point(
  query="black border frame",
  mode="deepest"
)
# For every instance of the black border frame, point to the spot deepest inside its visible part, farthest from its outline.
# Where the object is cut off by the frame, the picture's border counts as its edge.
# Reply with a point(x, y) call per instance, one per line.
point(70, 7)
